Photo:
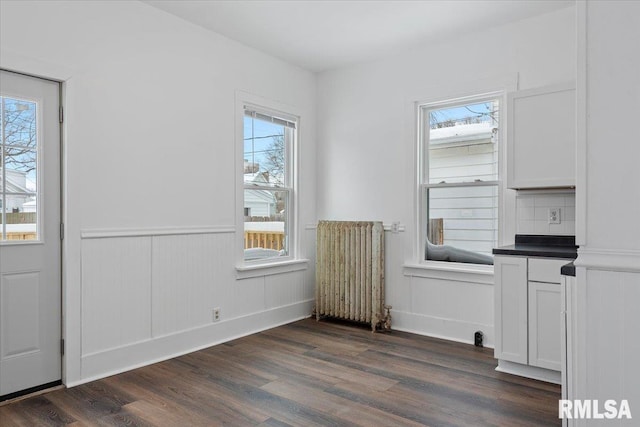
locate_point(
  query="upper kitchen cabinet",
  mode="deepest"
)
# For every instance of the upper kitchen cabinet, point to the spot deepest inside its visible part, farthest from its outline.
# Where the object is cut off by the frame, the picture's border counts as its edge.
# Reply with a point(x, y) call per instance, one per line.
point(541, 140)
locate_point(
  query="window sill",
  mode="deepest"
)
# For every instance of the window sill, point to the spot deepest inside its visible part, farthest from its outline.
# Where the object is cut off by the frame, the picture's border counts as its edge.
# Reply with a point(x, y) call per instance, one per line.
point(247, 271)
point(472, 273)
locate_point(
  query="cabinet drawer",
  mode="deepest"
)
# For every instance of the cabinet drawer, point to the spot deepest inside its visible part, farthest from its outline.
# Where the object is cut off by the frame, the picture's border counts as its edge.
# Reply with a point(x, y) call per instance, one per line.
point(546, 269)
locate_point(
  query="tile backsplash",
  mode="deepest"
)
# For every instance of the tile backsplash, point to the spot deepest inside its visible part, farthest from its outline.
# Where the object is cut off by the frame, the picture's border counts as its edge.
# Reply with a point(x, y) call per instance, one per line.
point(532, 212)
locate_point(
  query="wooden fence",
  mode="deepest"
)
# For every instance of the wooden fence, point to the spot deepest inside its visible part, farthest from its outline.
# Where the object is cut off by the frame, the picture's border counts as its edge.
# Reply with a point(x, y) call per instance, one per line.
point(264, 239)
point(435, 231)
point(21, 235)
point(21, 218)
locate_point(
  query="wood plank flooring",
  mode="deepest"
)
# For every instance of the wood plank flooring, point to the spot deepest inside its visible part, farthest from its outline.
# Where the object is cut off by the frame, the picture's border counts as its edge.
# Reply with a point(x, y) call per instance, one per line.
point(306, 373)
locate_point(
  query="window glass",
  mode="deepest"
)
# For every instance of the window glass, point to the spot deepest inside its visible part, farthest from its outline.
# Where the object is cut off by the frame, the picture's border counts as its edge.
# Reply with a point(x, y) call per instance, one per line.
point(460, 184)
point(18, 170)
point(267, 190)
point(463, 217)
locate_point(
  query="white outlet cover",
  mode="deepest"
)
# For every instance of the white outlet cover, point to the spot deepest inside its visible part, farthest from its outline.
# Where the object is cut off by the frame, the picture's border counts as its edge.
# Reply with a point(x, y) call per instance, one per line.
point(554, 216)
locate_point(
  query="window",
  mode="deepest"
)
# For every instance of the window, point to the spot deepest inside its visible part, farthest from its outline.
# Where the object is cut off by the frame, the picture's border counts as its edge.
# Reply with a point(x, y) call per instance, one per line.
point(459, 179)
point(18, 170)
point(268, 139)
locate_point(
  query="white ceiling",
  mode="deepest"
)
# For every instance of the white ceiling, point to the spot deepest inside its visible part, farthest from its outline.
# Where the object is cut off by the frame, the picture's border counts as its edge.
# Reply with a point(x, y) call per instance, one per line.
point(321, 35)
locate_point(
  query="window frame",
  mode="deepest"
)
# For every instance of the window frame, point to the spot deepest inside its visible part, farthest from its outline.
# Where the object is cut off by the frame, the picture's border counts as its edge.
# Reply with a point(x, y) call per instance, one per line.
point(422, 173)
point(252, 268)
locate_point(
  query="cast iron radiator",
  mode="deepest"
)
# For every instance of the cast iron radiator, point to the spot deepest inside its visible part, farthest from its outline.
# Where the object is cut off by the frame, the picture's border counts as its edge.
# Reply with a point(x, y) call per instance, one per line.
point(350, 272)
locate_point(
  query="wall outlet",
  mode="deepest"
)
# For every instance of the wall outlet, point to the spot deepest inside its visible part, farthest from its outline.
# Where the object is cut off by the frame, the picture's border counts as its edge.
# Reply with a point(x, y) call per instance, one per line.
point(554, 215)
point(216, 314)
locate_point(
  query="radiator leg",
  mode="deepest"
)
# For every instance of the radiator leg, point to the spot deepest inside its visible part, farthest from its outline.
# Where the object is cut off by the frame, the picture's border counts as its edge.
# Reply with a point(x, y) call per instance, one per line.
point(387, 318)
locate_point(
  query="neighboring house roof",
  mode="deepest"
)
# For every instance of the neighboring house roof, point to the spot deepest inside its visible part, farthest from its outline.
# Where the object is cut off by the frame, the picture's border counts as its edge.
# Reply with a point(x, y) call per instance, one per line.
point(258, 178)
point(13, 186)
point(463, 132)
point(258, 195)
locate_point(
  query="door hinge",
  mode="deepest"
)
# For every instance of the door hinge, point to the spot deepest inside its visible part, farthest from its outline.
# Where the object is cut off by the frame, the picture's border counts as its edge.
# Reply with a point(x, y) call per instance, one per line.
point(62, 231)
point(61, 114)
point(62, 346)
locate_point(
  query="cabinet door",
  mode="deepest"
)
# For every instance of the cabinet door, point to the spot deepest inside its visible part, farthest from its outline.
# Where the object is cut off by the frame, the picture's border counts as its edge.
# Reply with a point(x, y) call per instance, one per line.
point(545, 325)
point(541, 139)
point(510, 308)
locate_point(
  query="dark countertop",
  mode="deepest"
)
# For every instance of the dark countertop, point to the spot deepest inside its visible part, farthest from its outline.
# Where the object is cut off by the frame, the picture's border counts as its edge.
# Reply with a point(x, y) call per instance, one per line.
point(541, 246)
point(568, 270)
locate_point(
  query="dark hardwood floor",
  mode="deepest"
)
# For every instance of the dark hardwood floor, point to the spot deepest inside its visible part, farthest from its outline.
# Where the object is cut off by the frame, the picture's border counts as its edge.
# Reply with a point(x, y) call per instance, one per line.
point(306, 373)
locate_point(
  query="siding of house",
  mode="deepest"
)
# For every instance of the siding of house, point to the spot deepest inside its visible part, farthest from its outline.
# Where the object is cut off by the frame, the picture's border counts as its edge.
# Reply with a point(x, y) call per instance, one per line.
point(470, 215)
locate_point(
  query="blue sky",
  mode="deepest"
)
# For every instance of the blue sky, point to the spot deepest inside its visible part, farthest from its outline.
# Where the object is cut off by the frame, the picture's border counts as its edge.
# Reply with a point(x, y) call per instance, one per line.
point(19, 119)
point(456, 113)
point(257, 138)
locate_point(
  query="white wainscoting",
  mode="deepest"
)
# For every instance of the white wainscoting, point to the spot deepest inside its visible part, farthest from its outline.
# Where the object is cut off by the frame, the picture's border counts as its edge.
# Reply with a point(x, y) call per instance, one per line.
point(116, 292)
point(607, 347)
point(448, 309)
point(149, 295)
point(189, 280)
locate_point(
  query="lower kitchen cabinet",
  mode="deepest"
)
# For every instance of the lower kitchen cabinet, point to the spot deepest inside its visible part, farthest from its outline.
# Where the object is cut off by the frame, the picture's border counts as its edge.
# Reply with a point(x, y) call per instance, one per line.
point(545, 325)
point(528, 316)
point(510, 319)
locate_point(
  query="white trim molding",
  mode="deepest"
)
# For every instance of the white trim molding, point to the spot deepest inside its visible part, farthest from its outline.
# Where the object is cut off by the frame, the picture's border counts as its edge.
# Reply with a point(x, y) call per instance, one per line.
point(608, 259)
point(103, 233)
point(246, 271)
point(117, 360)
point(528, 371)
point(581, 123)
point(457, 272)
point(439, 327)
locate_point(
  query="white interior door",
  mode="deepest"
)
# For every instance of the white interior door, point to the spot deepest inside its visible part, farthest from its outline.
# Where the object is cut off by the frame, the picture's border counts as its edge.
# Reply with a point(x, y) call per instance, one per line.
point(30, 280)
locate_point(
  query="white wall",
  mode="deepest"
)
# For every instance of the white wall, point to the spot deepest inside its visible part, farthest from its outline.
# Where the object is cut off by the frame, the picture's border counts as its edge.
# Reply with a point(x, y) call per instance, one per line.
point(608, 264)
point(149, 178)
point(366, 155)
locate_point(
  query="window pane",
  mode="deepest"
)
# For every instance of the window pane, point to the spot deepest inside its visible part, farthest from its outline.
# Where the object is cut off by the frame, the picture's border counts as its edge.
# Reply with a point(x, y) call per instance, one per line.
point(265, 223)
point(19, 121)
point(264, 152)
point(21, 170)
point(21, 223)
point(18, 170)
point(464, 218)
point(462, 143)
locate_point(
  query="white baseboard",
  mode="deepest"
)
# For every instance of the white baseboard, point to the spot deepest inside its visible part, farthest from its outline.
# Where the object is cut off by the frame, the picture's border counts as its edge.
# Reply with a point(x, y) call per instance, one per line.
point(527, 371)
point(437, 327)
point(122, 359)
